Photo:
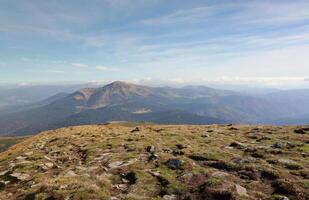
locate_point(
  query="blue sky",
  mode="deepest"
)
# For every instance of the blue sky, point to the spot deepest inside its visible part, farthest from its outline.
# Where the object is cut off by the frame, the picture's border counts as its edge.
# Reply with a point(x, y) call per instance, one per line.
point(262, 42)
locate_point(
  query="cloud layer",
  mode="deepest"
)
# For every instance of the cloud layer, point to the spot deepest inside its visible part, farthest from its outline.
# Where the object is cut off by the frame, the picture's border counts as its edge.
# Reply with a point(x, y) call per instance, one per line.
point(161, 40)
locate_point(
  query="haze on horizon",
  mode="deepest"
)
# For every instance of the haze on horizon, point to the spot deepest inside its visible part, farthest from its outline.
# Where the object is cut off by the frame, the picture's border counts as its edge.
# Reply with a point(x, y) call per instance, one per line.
point(258, 43)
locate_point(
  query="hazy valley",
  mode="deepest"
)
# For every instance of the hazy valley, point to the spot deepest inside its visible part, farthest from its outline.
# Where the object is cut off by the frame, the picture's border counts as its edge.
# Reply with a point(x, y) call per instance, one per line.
point(120, 101)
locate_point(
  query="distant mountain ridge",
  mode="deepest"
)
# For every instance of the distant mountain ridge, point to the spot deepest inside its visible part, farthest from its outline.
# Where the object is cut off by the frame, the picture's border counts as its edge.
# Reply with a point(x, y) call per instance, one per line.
point(131, 102)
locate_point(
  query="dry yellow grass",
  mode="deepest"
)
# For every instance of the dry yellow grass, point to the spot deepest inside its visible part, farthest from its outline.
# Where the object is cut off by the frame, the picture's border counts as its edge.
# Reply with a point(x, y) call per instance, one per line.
point(131, 161)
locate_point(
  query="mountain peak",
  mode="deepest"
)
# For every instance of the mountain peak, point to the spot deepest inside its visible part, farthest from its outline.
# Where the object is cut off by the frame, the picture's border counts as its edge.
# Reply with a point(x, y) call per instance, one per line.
point(119, 84)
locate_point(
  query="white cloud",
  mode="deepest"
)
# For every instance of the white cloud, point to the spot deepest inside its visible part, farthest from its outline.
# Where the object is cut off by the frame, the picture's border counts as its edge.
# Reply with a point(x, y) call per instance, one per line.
point(79, 65)
point(101, 68)
point(257, 12)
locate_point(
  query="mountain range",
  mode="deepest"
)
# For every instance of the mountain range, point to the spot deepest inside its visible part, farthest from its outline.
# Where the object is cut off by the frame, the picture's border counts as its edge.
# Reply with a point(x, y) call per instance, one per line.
point(120, 101)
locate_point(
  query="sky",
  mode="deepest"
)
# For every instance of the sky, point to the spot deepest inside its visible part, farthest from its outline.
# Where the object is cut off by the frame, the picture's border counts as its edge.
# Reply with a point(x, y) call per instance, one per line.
point(256, 42)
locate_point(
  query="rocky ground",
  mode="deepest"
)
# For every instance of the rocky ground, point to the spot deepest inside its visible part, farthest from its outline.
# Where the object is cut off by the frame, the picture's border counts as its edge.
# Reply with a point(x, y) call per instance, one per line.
point(159, 162)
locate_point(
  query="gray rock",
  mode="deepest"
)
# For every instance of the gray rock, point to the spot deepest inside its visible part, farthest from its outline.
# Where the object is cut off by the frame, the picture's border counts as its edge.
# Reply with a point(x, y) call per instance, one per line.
point(219, 174)
point(49, 165)
point(170, 197)
point(121, 187)
point(3, 173)
point(241, 190)
point(20, 158)
point(286, 161)
point(283, 145)
point(20, 176)
point(119, 164)
point(154, 173)
point(174, 164)
point(29, 153)
point(70, 174)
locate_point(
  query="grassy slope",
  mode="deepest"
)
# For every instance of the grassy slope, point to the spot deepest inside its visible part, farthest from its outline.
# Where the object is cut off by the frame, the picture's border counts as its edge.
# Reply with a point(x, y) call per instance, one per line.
point(211, 169)
point(7, 142)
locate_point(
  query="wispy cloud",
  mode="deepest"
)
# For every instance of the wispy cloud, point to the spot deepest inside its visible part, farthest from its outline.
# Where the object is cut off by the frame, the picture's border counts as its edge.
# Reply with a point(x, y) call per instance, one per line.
point(79, 65)
point(156, 38)
point(257, 12)
point(101, 68)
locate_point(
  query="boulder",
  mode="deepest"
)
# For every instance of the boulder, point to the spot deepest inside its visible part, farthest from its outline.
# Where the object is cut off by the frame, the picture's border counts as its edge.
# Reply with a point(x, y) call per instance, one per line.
point(119, 164)
point(241, 190)
point(283, 145)
point(174, 164)
point(20, 176)
point(301, 130)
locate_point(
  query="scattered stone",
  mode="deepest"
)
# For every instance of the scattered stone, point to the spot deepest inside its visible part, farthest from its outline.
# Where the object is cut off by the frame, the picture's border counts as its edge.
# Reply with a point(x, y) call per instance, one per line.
point(47, 158)
point(205, 136)
point(237, 145)
point(121, 187)
point(283, 198)
point(130, 177)
point(283, 145)
point(181, 146)
point(20, 158)
point(135, 130)
point(154, 173)
point(24, 162)
point(177, 152)
point(150, 149)
point(263, 138)
point(174, 164)
point(49, 165)
point(3, 173)
point(29, 153)
point(166, 150)
point(170, 197)
point(286, 161)
point(219, 174)
point(70, 174)
point(152, 157)
point(241, 190)
point(119, 164)
point(20, 176)
point(301, 130)
point(128, 148)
